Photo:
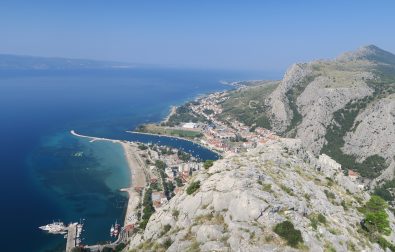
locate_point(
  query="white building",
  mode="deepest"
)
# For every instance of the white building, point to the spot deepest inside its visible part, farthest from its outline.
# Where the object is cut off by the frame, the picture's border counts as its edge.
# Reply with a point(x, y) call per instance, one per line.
point(189, 125)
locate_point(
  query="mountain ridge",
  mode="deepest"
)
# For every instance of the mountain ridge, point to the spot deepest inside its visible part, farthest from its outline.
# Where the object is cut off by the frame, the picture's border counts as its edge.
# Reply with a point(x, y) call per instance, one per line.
point(26, 62)
point(322, 102)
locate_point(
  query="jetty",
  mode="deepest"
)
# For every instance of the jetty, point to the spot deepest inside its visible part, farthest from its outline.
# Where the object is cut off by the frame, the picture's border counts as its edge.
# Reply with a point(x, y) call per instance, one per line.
point(72, 237)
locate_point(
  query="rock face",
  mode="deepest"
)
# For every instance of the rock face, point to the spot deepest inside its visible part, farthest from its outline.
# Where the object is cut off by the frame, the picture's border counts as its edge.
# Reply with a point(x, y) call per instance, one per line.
point(375, 133)
point(304, 104)
point(242, 197)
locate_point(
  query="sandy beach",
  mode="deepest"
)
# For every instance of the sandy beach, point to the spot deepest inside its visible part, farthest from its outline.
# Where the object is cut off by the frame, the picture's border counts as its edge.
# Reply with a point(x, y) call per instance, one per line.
point(138, 180)
point(137, 172)
point(173, 110)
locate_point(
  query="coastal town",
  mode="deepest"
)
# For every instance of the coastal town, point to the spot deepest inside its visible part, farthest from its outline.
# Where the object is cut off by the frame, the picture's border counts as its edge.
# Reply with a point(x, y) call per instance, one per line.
point(159, 172)
point(222, 136)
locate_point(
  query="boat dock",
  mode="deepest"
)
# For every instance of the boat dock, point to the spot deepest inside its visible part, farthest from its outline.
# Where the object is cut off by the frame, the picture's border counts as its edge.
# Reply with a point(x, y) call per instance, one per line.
point(73, 236)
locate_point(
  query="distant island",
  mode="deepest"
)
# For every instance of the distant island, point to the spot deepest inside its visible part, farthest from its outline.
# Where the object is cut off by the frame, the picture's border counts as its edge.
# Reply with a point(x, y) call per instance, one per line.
point(22, 62)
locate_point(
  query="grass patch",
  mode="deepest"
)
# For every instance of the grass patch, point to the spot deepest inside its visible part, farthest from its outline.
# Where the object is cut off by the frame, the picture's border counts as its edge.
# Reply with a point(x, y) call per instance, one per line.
point(287, 190)
point(267, 188)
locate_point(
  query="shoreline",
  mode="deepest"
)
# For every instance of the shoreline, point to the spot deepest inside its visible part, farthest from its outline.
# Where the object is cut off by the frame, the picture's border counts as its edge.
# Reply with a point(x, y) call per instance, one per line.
point(137, 175)
point(179, 138)
point(137, 180)
point(173, 111)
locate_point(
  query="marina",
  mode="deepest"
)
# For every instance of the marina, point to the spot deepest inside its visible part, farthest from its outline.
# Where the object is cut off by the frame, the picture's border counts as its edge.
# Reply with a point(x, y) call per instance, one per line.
point(72, 232)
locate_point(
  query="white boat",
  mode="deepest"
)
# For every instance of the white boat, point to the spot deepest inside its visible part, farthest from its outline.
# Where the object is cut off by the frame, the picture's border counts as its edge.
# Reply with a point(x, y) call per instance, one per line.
point(55, 228)
point(112, 230)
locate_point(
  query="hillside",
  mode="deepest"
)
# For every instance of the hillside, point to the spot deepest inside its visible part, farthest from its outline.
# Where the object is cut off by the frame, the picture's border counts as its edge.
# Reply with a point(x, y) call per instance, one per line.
point(244, 200)
point(342, 107)
point(19, 62)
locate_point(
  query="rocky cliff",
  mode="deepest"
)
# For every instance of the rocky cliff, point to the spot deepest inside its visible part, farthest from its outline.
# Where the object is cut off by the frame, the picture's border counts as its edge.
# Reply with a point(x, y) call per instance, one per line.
point(243, 197)
point(342, 107)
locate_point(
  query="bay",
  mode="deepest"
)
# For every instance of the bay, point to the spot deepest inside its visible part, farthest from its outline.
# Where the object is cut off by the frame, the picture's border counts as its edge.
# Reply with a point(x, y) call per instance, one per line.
point(41, 177)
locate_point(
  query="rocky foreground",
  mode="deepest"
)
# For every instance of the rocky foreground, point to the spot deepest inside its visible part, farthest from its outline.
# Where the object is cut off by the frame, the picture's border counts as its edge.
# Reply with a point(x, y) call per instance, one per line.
point(243, 197)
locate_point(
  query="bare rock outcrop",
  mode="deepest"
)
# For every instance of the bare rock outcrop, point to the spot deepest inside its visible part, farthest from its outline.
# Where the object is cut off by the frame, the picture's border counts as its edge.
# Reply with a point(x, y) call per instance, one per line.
point(242, 197)
point(374, 133)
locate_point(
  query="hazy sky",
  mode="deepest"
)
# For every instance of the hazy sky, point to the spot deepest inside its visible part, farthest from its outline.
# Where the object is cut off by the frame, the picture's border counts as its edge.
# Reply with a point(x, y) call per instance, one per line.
point(267, 35)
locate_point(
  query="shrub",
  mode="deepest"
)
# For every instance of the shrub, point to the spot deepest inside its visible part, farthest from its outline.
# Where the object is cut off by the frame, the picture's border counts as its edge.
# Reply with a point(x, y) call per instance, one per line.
point(167, 243)
point(329, 195)
point(142, 147)
point(287, 231)
point(287, 190)
point(321, 218)
point(376, 218)
point(193, 187)
point(267, 187)
point(175, 213)
point(208, 163)
point(166, 228)
point(120, 247)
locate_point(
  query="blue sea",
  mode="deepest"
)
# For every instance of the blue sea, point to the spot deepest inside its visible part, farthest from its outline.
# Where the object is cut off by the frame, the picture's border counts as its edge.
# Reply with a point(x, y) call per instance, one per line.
point(47, 174)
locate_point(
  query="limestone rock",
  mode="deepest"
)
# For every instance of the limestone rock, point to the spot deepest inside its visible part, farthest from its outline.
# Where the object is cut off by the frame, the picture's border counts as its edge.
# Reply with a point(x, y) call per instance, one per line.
point(242, 197)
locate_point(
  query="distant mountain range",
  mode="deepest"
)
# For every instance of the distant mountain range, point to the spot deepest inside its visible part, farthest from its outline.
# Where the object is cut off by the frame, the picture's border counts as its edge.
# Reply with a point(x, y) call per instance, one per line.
point(19, 62)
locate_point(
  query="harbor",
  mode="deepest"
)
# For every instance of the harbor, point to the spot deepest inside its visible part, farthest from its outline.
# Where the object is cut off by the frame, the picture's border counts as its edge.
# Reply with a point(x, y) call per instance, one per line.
point(72, 232)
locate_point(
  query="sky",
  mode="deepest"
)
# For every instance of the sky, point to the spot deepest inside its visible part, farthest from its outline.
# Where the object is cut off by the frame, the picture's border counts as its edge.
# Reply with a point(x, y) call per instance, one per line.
point(254, 35)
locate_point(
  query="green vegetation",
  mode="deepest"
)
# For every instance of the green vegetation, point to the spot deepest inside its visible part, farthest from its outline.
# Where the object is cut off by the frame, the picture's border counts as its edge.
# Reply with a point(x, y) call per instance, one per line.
point(166, 229)
point(193, 187)
point(267, 188)
point(287, 231)
point(207, 164)
point(142, 147)
point(168, 188)
point(317, 219)
point(376, 218)
point(178, 182)
point(163, 130)
point(167, 243)
point(287, 190)
point(120, 247)
point(175, 213)
point(160, 164)
point(321, 218)
point(376, 221)
point(247, 105)
point(329, 195)
point(292, 95)
point(343, 121)
point(183, 155)
point(184, 114)
point(148, 208)
point(385, 190)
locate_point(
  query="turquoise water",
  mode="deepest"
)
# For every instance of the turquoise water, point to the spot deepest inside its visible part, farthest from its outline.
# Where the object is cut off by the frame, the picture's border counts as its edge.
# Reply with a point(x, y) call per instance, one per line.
point(41, 178)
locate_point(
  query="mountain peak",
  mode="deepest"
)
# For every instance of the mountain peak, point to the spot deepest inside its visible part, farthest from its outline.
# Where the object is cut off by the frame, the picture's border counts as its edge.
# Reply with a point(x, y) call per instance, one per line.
point(369, 52)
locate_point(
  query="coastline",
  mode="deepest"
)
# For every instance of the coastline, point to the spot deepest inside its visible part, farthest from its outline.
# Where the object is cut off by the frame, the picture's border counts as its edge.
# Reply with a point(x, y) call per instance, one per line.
point(137, 175)
point(173, 111)
point(138, 180)
point(179, 138)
